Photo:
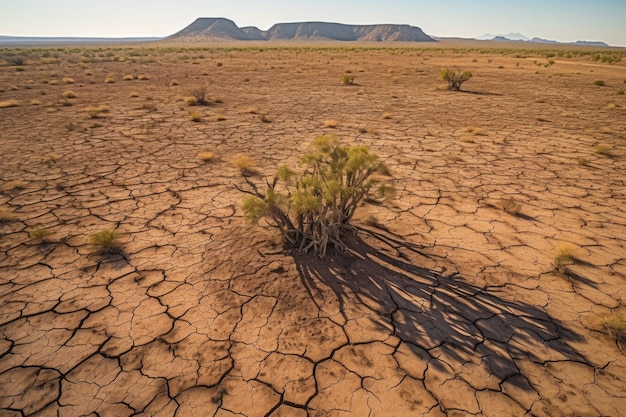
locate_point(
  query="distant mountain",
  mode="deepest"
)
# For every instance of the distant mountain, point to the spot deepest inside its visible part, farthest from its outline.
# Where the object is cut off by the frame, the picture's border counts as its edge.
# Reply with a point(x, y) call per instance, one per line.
point(508, 36)
point(223, 29)
point(515, 37)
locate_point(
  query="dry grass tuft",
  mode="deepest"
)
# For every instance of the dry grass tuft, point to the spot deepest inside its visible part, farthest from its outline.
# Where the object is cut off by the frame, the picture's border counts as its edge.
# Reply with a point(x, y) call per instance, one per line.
point(42, 235)
point(6, 215)
point(110, 79)
point(476, 131)
point(69, 94)
point(97, 111)
point(245, 164)
point(205, 156)
point(565, 255)
point(331, 123)
point(195, 117)
point(107, 241)
point(511, 206)
point(68, 80)
point(190, 100)
point(14, 185)
point(128, 77)
point(143, 77)
point(387, 116)
point(603, 150)
point(616, 327)
point(8, 103)
point(252, 110)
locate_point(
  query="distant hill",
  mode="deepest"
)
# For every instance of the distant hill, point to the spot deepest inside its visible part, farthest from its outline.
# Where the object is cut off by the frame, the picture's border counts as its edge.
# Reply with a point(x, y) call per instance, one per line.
point(515, 37)
point(208, 28)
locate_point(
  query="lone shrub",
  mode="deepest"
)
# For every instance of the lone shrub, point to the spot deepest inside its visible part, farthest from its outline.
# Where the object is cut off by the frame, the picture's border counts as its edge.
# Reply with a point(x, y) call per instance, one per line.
point(314, 208)
point(107, 241)
point(200, 94)
point(454, 78)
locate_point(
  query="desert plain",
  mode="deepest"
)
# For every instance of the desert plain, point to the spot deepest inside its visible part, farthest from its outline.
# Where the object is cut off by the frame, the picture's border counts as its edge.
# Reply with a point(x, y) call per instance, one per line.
point(491, 284)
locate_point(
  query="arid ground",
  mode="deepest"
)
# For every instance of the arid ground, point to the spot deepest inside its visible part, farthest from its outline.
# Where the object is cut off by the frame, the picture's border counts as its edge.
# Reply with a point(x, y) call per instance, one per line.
point(487, 286)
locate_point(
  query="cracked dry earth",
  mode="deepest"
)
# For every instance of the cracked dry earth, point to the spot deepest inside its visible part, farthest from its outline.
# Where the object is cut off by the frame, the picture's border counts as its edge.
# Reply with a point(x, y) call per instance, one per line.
point(446, 304)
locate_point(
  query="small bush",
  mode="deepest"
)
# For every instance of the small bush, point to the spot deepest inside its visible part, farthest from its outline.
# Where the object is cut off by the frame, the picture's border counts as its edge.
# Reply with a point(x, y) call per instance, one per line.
point(110, 79)
point(348, 79)
point(128, 77)
point(603, 150)
point(565, 254)
point(97, 111)
point(387, 116)
point(583, 161)
point(511, 206)
point(245, 164)
point(6, 215)
point(205, 156)
point(69, 94)
point(616, 327)
point(107, 241)
point(200, 94)
point(143, 77)
point(313, 209)
point(68, 80)
point(13, 185)
point(8, 103)
point(599, 83)
point(454, 78)
point(195, 117)
point(42, 235)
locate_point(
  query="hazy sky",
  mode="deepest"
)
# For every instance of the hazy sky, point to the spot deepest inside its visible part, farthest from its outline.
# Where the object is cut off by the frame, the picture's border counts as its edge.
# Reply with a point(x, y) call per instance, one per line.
point(553, 19)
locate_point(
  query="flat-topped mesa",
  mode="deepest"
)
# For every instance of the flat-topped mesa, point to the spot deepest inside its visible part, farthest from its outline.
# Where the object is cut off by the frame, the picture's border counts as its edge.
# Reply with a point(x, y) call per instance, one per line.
point(225, 29)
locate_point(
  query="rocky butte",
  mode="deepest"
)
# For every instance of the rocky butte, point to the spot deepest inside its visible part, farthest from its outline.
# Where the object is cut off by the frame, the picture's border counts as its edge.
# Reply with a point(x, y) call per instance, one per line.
point(208, 28)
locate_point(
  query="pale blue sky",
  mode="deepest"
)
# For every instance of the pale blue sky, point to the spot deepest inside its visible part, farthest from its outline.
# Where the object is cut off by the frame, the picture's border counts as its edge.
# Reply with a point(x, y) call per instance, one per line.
point(553, 19)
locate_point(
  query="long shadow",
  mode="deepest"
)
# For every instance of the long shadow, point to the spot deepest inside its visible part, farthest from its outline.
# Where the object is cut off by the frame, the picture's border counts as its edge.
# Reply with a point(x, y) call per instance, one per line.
point(379, 277)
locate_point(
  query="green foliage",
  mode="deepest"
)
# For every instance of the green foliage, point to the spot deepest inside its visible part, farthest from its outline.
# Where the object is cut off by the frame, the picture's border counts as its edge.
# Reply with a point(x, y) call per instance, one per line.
point(455, 78)
point(107, 241)
point(313, 209)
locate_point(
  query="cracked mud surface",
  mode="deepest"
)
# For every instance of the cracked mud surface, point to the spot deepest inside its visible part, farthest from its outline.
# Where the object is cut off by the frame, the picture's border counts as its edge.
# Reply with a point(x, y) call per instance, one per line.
point(446, 304)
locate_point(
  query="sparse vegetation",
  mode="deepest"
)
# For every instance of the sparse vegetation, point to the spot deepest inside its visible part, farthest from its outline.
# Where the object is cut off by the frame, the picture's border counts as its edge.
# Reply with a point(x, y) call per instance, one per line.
point(195, 117)
point(13, 185)
point(69, 94)
point(107, 241)
point(387, 116)
point(41, 235)
point(205, 156)
point(6, 215)
point(455, 78)
point(603, 150)
point(128, 77)
point(313, 209)
point(97, 111)
point(511, 206)
point(583, 161)
point(8, 103)
point(110, 79)
point(565, 255)
point(68, 80)
point(245, 164)
point(599, 83)
point(331, 123)
point(200, 94)
point(348, 79)
point(616, 327)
